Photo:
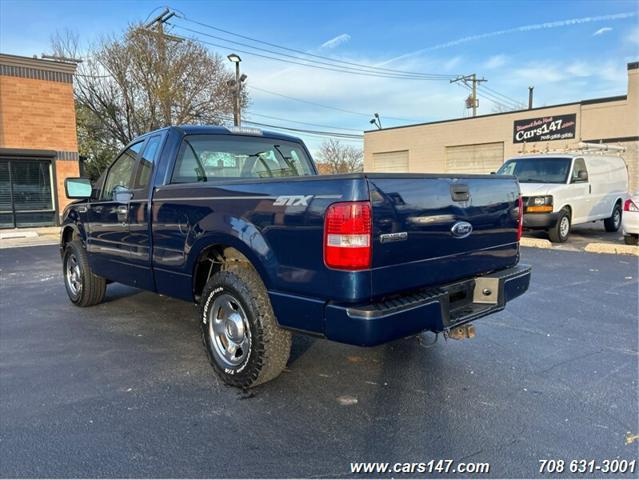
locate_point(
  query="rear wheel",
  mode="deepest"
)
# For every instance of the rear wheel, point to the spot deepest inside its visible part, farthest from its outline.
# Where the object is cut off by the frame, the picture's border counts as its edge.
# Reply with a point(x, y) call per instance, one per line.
point(613, 223)
point(244, 344)
point(631, 239)
point(559, 233)
point(83, 286)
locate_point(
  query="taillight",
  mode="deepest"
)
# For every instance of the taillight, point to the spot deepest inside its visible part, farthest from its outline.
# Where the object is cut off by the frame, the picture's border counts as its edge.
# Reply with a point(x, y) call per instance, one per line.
point(347, 236)
point(520, 217)
point(630, 206)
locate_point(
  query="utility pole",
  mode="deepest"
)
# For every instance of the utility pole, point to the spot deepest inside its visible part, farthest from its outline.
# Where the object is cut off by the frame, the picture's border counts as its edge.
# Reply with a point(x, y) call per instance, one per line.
point(158, 22)
point(472, 101)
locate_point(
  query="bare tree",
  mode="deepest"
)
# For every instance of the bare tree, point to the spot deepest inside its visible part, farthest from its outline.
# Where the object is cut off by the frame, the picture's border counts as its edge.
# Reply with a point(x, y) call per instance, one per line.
point(335, 157)
point(143, 81)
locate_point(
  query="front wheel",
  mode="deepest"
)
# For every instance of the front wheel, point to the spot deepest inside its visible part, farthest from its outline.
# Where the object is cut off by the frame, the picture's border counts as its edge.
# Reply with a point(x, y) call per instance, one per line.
point(243, 341)
point(559, 233)
point(83, 286)
point(613, 223)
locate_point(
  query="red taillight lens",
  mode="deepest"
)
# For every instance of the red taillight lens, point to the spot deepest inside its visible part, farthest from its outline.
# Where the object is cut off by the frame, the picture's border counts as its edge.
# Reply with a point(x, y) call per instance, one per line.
point(520, 218)
point(347, 236)
point(630, 206)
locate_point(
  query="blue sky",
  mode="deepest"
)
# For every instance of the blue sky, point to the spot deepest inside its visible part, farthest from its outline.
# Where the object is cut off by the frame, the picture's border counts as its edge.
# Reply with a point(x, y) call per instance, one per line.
point(567, 50)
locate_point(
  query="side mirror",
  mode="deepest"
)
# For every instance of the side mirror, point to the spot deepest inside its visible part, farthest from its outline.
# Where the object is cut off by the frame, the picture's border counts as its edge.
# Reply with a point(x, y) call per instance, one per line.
point(77, 188)
point(582, 175)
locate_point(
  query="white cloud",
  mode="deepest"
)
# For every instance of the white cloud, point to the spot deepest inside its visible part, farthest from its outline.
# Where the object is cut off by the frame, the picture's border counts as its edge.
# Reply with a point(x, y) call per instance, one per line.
point(495, 61)
point(524, 28)
point(601, 31)
point(337, 41)
point(633, 37)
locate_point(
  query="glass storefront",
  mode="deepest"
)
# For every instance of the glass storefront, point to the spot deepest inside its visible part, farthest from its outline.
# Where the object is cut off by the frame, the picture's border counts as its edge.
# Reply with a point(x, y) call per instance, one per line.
point(26, 193)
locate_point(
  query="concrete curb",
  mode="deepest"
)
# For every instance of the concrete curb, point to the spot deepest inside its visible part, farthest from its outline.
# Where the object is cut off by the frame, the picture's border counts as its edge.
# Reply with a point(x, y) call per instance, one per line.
point(612, 249)
point(593, 247)
point(535, 242)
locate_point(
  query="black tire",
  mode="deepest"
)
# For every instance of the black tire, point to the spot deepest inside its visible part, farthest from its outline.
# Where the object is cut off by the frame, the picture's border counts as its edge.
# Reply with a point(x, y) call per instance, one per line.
point(235, 300)
point(559, 233)
point(87, 288)
point(613, 223)
point(631, 239)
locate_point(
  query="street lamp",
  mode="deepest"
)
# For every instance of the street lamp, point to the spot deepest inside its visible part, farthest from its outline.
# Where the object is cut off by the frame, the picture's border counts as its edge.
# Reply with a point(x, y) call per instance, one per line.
point(376, 121)
point(233, 57)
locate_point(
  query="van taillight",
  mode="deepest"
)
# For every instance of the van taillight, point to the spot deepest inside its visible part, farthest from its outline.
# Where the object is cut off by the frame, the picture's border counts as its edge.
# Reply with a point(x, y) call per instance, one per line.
point(520, 217)
point(347, 236)
point(630, 206)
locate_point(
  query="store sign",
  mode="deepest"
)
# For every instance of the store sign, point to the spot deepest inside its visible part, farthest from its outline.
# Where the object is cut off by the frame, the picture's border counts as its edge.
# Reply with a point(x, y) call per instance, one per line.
point(544, 129)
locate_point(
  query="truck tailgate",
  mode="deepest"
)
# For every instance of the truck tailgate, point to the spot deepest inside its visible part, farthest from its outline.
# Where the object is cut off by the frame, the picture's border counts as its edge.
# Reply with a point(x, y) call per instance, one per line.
point(420, 234)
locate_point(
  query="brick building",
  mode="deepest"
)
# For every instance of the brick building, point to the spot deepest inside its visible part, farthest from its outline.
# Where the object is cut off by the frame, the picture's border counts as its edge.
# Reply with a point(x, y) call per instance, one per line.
point(481, 144)
point(38, 140)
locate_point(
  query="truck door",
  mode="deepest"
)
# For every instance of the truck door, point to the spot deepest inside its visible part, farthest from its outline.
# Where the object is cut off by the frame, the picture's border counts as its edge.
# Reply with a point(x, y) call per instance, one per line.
point(107, 238)
point(139, 238)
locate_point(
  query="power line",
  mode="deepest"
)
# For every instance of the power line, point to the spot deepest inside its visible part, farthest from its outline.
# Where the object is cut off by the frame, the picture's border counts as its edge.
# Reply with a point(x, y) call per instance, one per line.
point(352, 112)
point(505, 97)
point(488, 97)
point(303, 123)
point(301, 61)
point(431, 76)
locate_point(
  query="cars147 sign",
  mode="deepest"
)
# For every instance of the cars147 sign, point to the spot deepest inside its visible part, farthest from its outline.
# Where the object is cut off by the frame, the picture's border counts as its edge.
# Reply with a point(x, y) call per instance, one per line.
point(543, 129)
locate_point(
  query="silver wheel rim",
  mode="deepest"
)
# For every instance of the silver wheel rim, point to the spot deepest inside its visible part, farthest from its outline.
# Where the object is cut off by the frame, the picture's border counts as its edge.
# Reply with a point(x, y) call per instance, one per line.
point(564, 227)
point(229, 332)
point(616, 218)
point(73, 275)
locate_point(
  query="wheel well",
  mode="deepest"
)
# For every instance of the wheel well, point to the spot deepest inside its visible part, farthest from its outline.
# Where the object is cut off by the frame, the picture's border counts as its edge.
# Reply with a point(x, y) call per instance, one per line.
point(69, 234)
point(212, 260)
point(569, 209)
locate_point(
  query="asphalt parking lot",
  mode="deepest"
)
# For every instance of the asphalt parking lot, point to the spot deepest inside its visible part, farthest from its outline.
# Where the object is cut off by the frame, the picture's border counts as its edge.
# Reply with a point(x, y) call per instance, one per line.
point(123, 389)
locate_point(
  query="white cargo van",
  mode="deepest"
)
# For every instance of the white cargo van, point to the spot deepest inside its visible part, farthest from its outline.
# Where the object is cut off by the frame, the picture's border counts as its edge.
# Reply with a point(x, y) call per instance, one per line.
point(564, 189)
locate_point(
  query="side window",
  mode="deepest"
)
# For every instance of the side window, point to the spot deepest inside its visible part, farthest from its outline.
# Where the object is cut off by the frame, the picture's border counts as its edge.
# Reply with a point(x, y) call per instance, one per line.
point(119, 177)
point(578, 167)
point(145, 168)
point(188, 167)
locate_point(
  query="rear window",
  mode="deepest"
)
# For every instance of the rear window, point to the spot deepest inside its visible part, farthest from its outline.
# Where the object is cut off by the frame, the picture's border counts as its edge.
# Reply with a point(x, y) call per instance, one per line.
point(205, 158)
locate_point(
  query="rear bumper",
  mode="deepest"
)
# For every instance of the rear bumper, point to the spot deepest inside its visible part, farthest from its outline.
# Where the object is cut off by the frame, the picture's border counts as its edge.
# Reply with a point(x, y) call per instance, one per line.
point(437, 309)
point(540, 220)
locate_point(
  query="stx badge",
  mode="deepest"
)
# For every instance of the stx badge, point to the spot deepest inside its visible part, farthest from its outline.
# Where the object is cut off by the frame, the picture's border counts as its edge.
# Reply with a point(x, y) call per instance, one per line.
point(293, 200)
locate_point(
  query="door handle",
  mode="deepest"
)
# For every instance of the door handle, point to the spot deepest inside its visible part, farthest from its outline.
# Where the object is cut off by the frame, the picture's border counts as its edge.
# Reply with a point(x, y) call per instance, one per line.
point(589, 188)
point(122, 210)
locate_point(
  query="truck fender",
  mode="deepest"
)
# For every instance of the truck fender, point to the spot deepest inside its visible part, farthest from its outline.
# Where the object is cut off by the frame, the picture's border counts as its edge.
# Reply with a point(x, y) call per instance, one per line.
point(258, 252)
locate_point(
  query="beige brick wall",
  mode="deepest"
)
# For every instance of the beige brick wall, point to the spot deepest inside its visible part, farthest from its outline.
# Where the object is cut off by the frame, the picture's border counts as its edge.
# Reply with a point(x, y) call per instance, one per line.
point(40, 115)
point(427, 143)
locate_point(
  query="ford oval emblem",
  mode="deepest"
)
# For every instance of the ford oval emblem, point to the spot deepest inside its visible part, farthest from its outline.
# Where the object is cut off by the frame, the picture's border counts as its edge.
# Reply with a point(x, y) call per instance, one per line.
point(461, 229)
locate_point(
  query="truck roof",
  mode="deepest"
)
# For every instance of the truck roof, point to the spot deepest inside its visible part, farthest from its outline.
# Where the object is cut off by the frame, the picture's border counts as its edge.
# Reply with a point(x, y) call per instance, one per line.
point(221, 130)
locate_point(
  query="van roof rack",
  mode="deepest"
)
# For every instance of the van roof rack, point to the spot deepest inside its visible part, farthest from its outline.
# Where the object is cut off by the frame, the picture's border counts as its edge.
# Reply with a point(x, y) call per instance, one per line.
point(579, 148)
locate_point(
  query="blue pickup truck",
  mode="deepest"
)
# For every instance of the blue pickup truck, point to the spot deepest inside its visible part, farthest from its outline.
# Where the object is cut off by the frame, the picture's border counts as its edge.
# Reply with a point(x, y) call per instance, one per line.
point(239, 221)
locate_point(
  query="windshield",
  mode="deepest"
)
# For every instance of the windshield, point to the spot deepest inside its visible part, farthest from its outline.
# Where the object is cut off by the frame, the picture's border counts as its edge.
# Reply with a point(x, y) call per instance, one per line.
point(537, 170)
point(208, 157)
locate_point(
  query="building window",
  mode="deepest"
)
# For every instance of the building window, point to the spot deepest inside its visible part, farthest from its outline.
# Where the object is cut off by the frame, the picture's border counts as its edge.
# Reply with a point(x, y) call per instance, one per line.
point(26, 193)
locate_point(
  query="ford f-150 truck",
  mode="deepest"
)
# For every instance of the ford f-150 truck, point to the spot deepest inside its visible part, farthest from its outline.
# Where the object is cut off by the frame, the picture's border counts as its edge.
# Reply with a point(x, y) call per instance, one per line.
point(239, 221)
